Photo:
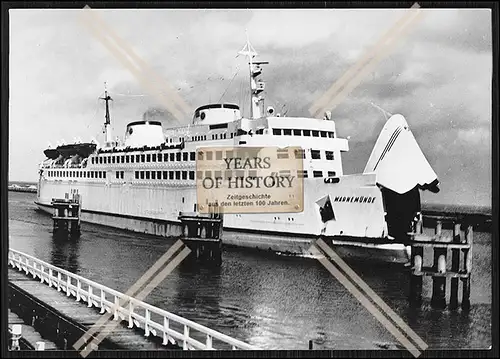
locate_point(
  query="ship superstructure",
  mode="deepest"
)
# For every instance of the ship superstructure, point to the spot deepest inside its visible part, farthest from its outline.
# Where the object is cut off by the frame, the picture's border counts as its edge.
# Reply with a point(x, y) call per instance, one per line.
point(145, 181)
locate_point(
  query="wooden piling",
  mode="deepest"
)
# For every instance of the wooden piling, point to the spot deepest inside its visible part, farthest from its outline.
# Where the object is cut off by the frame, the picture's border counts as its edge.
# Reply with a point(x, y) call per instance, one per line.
point(439, 245)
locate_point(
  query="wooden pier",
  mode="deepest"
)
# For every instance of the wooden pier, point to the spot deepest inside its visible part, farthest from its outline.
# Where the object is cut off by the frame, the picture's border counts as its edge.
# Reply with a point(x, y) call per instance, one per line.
point(66, 218)
point(438, 249)
point(63, 306)
point(202, 233)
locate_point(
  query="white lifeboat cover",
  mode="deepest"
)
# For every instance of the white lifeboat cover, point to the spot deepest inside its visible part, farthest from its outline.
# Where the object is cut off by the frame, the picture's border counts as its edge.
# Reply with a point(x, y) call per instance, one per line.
point(398, 160)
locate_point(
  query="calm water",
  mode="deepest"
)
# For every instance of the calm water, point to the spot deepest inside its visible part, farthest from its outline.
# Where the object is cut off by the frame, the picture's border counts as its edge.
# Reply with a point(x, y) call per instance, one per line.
point(271, 301)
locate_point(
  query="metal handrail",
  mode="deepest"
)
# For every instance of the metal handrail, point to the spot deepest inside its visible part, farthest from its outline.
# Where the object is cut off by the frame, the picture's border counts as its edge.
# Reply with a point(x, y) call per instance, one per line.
point(95, 294)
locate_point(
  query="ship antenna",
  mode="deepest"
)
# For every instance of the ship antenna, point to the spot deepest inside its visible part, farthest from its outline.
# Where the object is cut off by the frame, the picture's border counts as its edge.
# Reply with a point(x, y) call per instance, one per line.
point(107, 123)
point(256, 87)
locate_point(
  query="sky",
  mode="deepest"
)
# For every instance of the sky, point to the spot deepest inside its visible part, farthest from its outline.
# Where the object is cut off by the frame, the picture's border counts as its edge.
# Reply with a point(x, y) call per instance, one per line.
point(438, 76)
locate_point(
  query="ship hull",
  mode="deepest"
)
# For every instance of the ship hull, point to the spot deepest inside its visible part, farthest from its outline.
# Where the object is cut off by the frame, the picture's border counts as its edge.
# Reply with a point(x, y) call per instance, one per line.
point(283, 243)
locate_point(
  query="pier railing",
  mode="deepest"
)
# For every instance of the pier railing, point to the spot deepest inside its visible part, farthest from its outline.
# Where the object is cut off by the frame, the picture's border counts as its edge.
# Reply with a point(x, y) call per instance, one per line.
point(154, 321)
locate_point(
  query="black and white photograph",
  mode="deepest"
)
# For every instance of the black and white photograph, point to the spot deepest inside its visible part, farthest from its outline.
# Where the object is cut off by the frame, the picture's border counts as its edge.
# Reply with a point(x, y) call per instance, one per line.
point(249, 179)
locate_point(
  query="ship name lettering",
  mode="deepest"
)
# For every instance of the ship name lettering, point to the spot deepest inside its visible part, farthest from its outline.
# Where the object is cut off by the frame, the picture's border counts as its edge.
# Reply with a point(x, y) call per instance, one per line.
point(352, 199)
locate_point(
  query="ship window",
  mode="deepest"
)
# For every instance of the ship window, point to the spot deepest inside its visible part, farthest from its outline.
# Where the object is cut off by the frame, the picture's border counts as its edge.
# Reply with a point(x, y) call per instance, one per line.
point(100, 174)
point(177, 175)
point(92, 160)
point(117, 174)
point(178, 156)
point(323, 133)
point(182, 199)
point(113, 159)
point(165, 174)
point(104, 160)
point(228, 173)
point(91, 174)
point(148, 175)
point(171, 175)
point(204, 137)
point(252, 173)
point(158, 174)
point(100, 160)
point(240, 173)
point(132, 158)
point(258, 132)
point(217, 174)
point(199, 175)
point(307, 132)
point(191, 175)
point(172, 157)
point(297, 132)
point(331, 135)
point(276, 131)
point(315, 154)
point(224, 135)
point(142, 174)
point(209, 155)
point(160, 157)
point(232, 135)
point(165, 157)
point(229, 154)
point(136, 174)
point(185, 156)
point(300, 153)
point(127, 158)
point(208, 174)
point(192, 156)
point(154, 157)
point(218, 155)
point(143, 158)
point(331, 173)
point(287, 132)
point(122, 174)
point(123, 159)
point(137, 158)
point(153, 175)
point(329, 155)
point(148, 158)
point(317, 173)
point(184, 175)
point(315, 133)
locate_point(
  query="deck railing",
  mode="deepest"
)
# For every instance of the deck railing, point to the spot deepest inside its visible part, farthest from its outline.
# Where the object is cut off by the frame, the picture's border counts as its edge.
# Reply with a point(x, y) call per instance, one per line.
point(154, 321)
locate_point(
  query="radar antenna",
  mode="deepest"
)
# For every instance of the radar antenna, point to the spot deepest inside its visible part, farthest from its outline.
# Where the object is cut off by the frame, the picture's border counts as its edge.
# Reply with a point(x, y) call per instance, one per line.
point(107, 122)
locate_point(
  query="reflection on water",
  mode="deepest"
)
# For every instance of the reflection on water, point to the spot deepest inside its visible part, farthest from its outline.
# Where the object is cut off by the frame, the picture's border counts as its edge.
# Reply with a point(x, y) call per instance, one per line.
point(271, 301)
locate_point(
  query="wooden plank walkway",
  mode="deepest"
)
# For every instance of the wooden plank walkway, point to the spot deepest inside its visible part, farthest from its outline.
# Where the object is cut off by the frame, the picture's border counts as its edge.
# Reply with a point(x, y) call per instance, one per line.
point(29, 333)
point(125, 338)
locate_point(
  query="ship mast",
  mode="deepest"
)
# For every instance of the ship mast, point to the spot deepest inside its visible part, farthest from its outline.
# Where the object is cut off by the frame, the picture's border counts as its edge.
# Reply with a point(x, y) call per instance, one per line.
point(107, 122)
point(256, 86)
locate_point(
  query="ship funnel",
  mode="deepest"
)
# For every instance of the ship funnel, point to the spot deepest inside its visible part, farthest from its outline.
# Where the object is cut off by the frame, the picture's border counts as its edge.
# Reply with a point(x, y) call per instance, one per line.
point(398, 160)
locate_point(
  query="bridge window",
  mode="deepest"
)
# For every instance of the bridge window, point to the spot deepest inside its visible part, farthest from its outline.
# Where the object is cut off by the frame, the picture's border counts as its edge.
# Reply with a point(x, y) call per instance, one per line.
point(232, 135)
point(117, 174)
point(184, 175)
point(307, 133)
point(331, 134)
point(104, 174)
point(160, 157)
point(172, 157)
point(177, 175)
point(315, 154)
point(323, 133)
point(148, 158)
point(287, 132)
point(191, 175)
point(142, 174)
point(258, 132)
point(127, 158)
point(331, 173)
point(132, 158)
point(154, 157)
point(297, 132)
point(171, 175)
point(276, 131)
point(315, 133)
point(153, 175)
point(178, 156)
point(123, 159)
point(317, 173)
point(329, 155)
point(143, 158)
point(148, 175)
point(165, 157)
point(302, 174)
point(192, 156)
point(165, 174)
point(136, 174)
point(100, 160)
point(137, 158)
point(185, 156)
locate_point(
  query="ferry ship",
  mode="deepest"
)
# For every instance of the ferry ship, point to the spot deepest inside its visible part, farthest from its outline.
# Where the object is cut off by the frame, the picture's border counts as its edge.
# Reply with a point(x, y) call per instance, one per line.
point(145, 181)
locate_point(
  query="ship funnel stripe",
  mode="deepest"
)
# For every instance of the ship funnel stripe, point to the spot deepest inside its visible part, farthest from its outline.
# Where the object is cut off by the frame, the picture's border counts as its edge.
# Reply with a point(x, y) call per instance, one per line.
point(389, 145)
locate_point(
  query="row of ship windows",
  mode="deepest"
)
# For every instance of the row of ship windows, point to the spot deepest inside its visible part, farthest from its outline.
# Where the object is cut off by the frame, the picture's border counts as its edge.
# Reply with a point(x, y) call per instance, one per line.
point(178, 175)
point(191, 156)
point(299, 132)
